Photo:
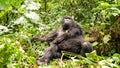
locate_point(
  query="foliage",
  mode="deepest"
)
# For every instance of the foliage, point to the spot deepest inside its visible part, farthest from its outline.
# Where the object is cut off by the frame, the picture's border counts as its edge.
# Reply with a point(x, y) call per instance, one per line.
point(21, 19)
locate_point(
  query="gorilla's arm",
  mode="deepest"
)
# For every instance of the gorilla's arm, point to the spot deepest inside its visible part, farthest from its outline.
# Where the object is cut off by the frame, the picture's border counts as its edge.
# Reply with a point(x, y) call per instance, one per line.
point(68, 34)
point(49, 37)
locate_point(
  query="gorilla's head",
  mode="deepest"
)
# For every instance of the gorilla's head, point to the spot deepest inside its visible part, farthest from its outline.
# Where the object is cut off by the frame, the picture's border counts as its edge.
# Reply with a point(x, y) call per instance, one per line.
point(67, 23)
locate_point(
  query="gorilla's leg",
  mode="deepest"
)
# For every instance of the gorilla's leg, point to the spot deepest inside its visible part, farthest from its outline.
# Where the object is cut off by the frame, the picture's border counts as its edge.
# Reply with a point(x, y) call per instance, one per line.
point(52, 52)
point(86, 48)
point(76, 45)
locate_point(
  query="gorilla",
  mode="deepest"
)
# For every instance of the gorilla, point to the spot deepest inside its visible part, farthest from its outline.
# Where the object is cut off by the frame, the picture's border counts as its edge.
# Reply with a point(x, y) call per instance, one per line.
point(68, 38)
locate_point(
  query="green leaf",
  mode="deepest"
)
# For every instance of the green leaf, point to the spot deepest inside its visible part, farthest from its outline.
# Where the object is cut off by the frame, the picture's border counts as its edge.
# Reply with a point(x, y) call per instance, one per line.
point(1, 13)
point(112, 19)
point(3, 5)
point(93, 54)
point(105, 4)
point(103, 25)
point(8, 9)
point(31, 59)
point(116, 55)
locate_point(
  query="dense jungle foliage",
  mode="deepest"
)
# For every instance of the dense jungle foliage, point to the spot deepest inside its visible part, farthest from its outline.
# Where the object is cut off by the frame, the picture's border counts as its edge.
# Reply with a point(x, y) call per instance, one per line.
point(22, 19)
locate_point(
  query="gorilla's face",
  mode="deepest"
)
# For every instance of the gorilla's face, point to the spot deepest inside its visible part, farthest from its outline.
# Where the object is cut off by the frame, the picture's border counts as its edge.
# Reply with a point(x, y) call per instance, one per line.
point(67, 23)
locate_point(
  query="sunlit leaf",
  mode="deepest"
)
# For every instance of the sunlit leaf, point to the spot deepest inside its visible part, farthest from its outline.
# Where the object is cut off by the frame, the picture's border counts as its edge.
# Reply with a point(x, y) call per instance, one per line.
point(8, 9)
point(3, 29)
point(1, 46)
point(31, 5)
point(21, 49)
point(92, 54)
point(20, 20)
point(116, 55)
point(33, 16)
point(105, 66)
point(102, 33)
point(105, 4)
point(1, 13)
point(115, 9)
point(74, 60)
point(106, 38)
point(11, 65)
point(95, 44)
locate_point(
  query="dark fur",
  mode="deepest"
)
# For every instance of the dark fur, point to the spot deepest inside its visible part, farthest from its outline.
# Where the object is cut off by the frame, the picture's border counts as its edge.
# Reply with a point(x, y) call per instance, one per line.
point(69, 38)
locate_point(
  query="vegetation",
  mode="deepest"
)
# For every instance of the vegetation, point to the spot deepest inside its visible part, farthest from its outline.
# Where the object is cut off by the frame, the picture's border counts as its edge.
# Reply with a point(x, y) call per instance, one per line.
point(21, 19)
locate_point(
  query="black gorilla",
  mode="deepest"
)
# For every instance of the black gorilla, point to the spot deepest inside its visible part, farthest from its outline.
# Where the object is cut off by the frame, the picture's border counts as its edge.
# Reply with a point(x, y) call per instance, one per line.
point(68, 38)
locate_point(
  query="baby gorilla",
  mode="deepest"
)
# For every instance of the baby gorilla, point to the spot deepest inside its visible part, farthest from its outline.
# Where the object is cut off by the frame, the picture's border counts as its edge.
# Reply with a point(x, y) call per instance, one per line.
point(68, 38)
